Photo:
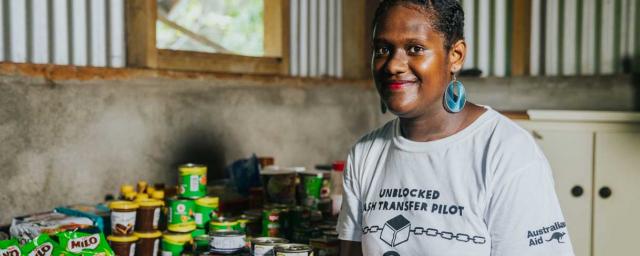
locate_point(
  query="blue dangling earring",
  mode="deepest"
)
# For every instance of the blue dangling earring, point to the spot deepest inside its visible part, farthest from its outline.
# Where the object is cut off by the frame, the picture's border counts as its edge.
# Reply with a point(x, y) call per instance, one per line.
point(452, 102)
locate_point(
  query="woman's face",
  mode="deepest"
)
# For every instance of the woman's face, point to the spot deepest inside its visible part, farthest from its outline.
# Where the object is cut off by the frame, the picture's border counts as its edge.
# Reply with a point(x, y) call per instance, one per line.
point(410, 65)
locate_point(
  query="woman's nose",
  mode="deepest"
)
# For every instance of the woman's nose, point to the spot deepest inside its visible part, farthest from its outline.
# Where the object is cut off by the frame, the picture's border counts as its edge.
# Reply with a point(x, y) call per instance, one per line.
point(397, 63)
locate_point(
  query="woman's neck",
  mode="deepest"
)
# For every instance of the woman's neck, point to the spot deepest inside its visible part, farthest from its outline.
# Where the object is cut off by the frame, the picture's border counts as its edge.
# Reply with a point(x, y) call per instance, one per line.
point(439, 123)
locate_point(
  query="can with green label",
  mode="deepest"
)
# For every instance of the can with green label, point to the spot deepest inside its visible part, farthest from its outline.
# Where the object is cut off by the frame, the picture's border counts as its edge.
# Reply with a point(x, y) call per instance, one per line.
point(312, 185)
point(180, 211)
point(271, 223)
point(222, 223)
point(173, 244)
point(206, 209)
point(193, 181)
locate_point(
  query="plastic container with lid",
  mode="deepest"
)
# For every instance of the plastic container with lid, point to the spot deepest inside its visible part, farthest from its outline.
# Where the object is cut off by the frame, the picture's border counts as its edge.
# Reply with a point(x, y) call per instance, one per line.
point(130, 195)
point(182, 227)
point(158, 195)
point(200, 240)
point(123, 245)
point(193, 181)
point(180, 210)
point(148, 243)
point(123, 217)
point(279, 184)
point(124, 189)
point(140, 196)
point(150, 190)
point(174, 243)
point(206, 208)
point(148, 215)
point(142, 187)
point(336, 186)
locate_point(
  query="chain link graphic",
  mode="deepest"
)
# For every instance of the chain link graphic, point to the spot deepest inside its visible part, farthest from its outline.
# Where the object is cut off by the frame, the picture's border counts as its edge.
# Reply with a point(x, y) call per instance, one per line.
point(432, 232)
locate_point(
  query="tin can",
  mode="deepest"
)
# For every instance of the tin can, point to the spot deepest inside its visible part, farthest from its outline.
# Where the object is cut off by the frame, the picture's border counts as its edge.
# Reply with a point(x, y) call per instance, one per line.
point(293, 249)
point(222, 223)
point(206, 208)
point(299, 217)
point(310, 188)
point(271, 222)
point(250, 225)
point(193, 181)
point(180, 211)
point(226, 241)
point(201, 242)
point(173, 244)
point(325, 246)
point(263, 246)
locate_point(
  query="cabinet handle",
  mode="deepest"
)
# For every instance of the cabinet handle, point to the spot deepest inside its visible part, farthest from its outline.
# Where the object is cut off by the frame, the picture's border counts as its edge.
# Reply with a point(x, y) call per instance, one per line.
point(577, 191)
point(605, 192)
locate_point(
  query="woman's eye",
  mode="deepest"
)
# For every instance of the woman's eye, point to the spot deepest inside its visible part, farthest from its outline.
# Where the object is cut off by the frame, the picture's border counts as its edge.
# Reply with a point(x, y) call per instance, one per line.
point(415, 49)
point(381, 51)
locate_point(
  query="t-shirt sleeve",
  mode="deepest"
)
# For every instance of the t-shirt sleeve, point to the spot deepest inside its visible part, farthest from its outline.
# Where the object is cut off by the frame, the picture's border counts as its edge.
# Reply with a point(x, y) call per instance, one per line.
point(350, 219)
point(524, 215)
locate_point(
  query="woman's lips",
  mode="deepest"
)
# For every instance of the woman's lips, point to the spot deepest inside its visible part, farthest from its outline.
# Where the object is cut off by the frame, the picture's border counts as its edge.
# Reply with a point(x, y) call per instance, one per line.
point(399, 85)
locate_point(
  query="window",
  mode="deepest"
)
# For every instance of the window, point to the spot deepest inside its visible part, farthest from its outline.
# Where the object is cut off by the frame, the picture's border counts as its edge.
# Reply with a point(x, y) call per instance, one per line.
point(238, 36)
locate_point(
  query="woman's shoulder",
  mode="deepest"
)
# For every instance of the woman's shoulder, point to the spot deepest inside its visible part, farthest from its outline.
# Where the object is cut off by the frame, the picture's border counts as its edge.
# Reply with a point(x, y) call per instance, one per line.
point(511, 145)
point(376, 138)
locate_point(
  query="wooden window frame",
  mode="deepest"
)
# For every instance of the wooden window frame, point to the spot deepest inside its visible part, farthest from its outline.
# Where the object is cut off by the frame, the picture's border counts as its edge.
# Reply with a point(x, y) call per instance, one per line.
point(141, 18)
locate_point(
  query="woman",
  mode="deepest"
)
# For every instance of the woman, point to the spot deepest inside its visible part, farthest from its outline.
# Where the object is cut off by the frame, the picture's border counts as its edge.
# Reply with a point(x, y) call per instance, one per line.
point(445, 177)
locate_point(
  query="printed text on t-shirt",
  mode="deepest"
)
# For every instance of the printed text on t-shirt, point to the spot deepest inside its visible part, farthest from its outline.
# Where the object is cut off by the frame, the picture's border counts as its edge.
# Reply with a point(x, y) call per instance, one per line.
point(414, 200)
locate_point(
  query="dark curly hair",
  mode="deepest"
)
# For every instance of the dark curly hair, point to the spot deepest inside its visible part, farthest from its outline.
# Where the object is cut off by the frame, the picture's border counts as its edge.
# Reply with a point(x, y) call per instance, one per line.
point(448, 14)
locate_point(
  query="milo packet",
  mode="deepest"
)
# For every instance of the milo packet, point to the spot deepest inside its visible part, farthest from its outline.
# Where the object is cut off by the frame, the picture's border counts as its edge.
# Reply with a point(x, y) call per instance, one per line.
point(42, 245)
point(84, 244)
point(10, 248)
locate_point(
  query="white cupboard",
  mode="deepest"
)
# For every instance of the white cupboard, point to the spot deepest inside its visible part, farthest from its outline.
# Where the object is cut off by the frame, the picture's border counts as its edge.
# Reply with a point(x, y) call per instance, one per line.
point(595, 157)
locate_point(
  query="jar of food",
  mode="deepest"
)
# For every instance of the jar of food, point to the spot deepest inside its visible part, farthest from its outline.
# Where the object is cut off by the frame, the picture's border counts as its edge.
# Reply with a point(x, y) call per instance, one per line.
point(142, 187)
point(200, 240)
point(263, 246)
point(148, 215)
point(279, 184)
point(123, 245)
point(182, 227)
point(130, 195)
point(293, 249)
point(174, 243)
point(206, 208)
point(123, 217)
point(158, 195)
point(193, 181)
point(226, 241)
point(222, 223)
point(148, 243)
point(180, 210)
point(124, 189)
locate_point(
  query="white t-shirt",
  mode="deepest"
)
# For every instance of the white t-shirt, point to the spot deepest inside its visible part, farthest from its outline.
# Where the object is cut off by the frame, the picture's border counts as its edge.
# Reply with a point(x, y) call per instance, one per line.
point(486, 190)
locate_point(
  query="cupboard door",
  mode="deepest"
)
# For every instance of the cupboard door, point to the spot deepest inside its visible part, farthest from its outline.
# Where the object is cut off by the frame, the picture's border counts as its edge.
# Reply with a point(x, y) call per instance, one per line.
point(616, 213)
point(570, 156)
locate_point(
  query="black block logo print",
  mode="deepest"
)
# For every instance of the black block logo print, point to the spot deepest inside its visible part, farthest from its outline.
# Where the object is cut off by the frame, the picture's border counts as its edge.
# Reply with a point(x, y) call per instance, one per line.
point(396, 231)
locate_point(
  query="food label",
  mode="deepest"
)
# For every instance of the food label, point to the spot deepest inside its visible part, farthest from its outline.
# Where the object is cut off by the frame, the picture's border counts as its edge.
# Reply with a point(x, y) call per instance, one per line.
point(227, 242)
point(156, 218)
point(155, 247)
point(132, 250)
point(198, 218)
point(194, 183)
point(42, 250)
point(167, 253)
point(88, 242)
point(262, 250)
point(11, 251)
point(122, 223)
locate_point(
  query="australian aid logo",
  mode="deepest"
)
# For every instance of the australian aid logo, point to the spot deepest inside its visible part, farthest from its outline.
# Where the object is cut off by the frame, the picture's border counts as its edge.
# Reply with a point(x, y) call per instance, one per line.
point(11, 251)
point(42, 250)
point(78, 244)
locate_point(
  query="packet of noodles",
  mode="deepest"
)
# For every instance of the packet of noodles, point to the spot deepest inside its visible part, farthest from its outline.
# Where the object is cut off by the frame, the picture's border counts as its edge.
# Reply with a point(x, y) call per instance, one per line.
point(42, 245)
point(10, 247)
point(85, 244)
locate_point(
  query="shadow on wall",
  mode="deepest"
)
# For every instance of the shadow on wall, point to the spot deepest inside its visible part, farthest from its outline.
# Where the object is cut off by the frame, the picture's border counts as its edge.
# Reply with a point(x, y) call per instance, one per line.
point(201, 147)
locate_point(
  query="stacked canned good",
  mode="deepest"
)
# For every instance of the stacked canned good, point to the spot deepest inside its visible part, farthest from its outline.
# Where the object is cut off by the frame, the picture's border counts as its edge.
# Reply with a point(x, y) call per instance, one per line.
point(188, 212)
point(134, 224)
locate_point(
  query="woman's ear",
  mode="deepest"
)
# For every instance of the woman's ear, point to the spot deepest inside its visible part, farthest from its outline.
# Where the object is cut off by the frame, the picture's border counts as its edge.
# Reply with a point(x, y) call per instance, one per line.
point(457, 54)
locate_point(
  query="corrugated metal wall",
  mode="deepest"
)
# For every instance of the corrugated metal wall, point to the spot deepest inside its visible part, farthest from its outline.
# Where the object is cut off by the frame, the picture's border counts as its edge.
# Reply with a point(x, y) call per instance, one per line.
point(568, 37)
point(64, 32)
point(316, 38)
point(583, 37)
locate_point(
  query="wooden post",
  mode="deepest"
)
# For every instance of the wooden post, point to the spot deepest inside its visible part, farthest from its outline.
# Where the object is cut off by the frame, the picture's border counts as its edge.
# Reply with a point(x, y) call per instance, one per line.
point(356, 36)
point(141, 33)
point(521, 32)
point(276, 31)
